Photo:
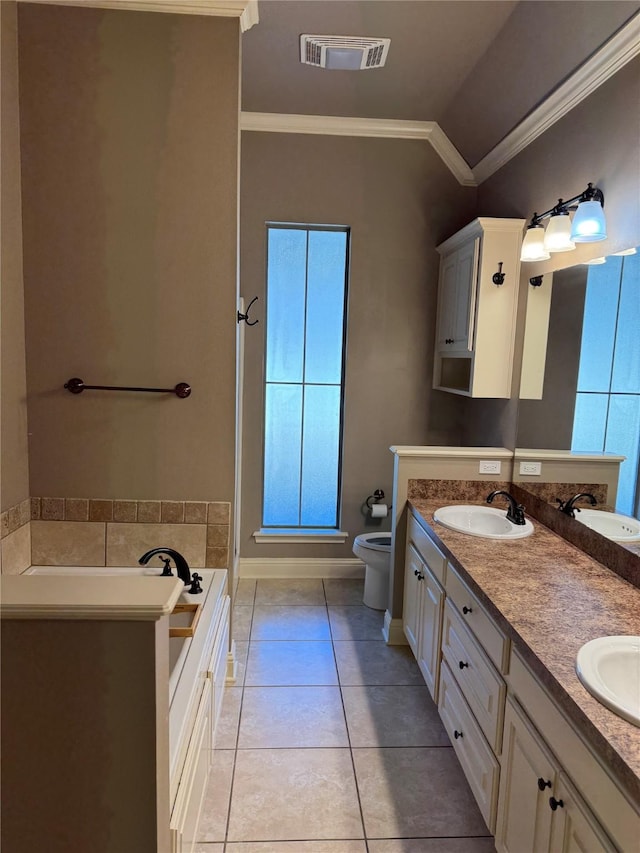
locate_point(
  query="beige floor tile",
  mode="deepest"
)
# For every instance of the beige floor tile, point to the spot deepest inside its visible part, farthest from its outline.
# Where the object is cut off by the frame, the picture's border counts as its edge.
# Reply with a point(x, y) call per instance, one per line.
point(275, 717)
point(355, 622)
point(245, 591)
point(433, 845)
point(229, 720)
point(289, 794)
point(371, 663)
point(241, 622)
point(290, 591)
point(415, 793)
point(341, 846)
point(393, 716)
point(204, 847)
point(242, 652)
point(283, 664)
point(344, 590)
point(290, 622)
point(213, 821)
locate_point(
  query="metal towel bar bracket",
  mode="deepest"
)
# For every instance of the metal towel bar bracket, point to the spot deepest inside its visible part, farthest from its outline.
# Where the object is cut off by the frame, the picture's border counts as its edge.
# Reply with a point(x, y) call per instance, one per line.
point(77, 386)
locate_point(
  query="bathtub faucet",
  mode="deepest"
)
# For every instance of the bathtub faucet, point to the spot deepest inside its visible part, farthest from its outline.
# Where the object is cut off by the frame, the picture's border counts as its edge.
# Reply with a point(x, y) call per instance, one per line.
point(182, 567)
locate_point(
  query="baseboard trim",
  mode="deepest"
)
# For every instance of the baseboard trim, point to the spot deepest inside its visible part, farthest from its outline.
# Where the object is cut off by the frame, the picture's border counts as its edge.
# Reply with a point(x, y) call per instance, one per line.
point(392, 631)
point(299, 567)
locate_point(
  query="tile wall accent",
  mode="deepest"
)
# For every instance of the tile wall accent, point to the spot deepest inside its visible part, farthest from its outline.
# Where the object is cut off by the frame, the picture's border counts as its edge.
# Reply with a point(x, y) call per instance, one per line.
point(453, 490)
point(97, 532)
point(15, 538)
point(550, 491)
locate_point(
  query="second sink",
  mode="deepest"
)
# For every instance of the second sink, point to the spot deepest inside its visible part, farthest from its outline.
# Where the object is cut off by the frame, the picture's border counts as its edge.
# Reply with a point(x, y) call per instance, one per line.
point(613, 525)
point(609, 667)
point(484, 521)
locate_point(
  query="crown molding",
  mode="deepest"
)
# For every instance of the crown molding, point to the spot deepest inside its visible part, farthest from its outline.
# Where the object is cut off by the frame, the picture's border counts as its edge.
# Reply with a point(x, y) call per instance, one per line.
point(429, 131)
point(246, 10)
point(612, 56)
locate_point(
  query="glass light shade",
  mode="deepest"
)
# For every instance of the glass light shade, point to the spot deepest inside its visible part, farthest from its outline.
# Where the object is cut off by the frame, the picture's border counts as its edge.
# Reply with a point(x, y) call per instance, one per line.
point(533, 245)
point(626, 252)
point(596, 261)
point(557, 237)
point(589, 224)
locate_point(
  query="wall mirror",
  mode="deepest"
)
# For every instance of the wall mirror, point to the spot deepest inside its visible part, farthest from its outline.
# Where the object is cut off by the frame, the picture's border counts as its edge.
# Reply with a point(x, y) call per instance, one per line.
point(582, 361)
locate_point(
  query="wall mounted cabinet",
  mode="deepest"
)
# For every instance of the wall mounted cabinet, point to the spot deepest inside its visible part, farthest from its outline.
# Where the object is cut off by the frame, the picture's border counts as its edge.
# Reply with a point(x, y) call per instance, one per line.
point(476, 320)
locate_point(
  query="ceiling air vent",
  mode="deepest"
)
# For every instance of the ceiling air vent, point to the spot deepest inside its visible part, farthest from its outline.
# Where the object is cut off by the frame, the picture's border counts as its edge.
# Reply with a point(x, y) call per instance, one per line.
point(345, 53)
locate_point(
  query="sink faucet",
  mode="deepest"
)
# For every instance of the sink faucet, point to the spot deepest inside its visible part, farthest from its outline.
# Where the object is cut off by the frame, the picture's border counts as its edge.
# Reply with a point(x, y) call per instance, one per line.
point(182, 567)
point(515, 513)
point(568, 507)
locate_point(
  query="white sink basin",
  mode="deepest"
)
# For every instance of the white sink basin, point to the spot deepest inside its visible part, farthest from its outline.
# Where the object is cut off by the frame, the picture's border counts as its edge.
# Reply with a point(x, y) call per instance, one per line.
point(609, 668)
point(485, 521)
point(613, 525)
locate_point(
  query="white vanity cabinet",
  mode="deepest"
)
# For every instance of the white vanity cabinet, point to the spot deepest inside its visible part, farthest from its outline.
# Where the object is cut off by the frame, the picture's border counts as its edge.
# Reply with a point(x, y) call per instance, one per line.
point(476, 319)
point(539, 809)
point(423, 602)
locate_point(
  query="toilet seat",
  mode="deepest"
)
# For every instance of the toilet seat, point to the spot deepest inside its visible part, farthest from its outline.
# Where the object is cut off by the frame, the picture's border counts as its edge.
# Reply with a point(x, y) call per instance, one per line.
point(375, 541)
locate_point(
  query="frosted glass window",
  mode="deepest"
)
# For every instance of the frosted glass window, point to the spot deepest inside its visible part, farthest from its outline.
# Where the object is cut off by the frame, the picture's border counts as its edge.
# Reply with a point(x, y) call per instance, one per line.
point(599, 326)
point(607, 413)
point(305, 331)
point(623, 429)
point(626, 361)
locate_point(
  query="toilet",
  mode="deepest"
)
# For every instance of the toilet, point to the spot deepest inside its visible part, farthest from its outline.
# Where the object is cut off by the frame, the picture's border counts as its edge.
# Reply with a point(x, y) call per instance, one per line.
point(374, 549)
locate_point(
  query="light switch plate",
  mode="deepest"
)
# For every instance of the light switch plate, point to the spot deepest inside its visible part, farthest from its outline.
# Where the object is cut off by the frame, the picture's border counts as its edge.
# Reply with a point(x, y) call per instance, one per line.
point(490, 466)
point(531, 468)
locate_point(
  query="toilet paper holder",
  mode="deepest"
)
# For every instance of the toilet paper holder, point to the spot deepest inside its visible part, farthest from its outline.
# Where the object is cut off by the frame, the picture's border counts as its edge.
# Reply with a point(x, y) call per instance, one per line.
point(376, 497)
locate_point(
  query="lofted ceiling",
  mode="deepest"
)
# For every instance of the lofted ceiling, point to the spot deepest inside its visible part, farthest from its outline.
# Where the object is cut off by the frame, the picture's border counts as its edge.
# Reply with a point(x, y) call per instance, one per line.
point(477, 67)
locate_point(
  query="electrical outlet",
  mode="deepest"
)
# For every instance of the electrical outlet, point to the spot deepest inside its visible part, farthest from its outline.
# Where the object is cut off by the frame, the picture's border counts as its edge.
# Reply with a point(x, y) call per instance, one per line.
point(490, 466)
point(531, 468)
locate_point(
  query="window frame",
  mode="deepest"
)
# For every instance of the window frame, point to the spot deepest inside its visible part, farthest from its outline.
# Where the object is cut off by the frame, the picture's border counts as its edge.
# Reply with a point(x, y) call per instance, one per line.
point(289, 532)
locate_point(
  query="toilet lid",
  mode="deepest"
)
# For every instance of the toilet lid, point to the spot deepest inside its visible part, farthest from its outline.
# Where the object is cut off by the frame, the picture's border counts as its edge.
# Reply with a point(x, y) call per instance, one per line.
point(379, 540)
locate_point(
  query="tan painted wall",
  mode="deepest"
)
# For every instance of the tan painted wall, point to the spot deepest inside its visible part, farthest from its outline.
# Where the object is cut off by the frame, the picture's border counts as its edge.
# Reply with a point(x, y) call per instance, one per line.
point(400, 201)
point(14, 475)
point(129, 142)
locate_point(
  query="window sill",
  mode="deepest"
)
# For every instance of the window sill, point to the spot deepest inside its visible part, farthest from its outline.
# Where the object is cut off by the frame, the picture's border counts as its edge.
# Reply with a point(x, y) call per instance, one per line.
point(291, 535)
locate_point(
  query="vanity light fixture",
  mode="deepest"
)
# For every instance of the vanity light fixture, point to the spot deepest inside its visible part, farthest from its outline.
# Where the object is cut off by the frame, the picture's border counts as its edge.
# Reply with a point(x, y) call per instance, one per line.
point(562, 234)
point(625, 252)
point(596, 262)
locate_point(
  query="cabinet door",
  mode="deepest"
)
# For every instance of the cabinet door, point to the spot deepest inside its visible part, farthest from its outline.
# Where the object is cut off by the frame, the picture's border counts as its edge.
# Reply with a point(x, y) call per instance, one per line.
point(527, 781)
point(428, 654)
point(414, 571)
point(574, 828)
point(447, 302)
point(465, 289)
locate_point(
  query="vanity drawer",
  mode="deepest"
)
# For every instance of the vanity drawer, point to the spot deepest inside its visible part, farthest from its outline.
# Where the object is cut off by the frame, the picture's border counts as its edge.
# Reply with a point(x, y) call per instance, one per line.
point(477, 619)
point(427, 550)
point(482, 686)
point(476, 758)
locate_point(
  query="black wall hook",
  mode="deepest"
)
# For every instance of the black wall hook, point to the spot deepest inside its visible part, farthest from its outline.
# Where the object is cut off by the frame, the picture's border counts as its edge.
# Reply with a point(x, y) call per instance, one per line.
point(536, 281)
point(245, 316)
point(498, 277)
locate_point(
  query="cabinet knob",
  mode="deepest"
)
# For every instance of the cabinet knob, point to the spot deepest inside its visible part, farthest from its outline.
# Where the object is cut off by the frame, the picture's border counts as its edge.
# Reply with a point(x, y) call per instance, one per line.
point(555, 804)
point(542, 784)
point(462, 664)
point(448, 340)
point(466, 610)
point(457, 734)
point(420, 576)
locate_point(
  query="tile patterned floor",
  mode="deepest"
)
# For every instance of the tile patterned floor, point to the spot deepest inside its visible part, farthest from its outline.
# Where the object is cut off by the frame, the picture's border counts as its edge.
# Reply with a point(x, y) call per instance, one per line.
point(330, 742)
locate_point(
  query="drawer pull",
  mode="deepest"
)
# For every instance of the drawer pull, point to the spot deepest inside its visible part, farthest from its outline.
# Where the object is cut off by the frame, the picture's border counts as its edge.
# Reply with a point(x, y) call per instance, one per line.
point(542, 784)
point(418, 574)
point(555, 804)
point(462, 664)
point(458, 734)
point(466, 610)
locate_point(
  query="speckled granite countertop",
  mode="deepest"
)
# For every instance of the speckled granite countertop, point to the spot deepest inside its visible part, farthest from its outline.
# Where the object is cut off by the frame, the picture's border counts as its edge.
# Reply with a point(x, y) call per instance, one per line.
point(550, 598)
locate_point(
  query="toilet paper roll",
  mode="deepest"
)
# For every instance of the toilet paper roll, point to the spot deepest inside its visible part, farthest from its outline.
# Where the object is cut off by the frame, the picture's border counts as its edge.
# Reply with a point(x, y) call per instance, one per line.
point(379, 511)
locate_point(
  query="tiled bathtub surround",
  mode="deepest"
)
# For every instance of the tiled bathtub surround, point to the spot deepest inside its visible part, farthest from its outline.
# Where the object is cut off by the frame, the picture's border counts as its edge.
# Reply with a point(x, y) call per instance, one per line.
point(15, 538)
point(83, 531)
